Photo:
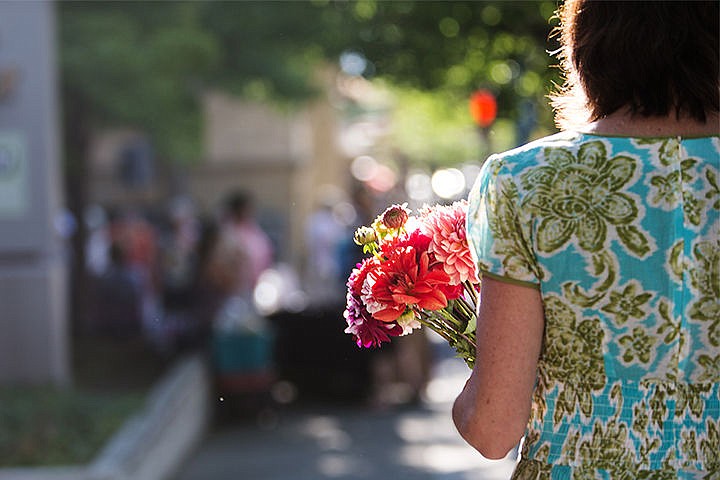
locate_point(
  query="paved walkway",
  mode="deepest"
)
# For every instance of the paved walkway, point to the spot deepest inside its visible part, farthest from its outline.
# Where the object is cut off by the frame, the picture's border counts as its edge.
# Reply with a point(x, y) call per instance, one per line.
point(350, 443)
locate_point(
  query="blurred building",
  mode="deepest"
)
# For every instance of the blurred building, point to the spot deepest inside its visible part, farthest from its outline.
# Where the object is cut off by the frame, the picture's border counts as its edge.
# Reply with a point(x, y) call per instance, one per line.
point(34, 344)
point(280, 157)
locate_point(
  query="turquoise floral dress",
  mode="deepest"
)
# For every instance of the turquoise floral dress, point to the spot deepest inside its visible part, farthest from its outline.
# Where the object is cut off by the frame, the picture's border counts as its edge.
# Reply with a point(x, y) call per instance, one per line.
point(622, 238)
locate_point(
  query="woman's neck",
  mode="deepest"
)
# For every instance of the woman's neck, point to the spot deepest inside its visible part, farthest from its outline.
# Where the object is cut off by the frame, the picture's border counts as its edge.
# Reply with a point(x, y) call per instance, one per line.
point(623, 123)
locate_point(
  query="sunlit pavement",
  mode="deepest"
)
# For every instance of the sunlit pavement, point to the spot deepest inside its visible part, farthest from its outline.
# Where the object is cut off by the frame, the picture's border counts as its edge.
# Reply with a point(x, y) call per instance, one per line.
point(348, 443)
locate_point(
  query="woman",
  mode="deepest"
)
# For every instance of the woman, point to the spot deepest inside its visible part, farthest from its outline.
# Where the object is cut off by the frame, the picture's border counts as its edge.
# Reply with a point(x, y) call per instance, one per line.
point(599, 247)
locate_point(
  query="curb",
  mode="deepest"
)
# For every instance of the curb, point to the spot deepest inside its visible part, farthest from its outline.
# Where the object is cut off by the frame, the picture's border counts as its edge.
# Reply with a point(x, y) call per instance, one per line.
point(152, 444)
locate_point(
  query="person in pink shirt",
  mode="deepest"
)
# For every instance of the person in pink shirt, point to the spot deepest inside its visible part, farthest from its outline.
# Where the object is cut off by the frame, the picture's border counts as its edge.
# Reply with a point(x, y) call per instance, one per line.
point(242, 234)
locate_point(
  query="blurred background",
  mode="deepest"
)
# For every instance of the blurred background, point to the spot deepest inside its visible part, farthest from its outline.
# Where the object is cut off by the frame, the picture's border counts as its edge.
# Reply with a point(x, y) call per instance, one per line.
point(185, 177)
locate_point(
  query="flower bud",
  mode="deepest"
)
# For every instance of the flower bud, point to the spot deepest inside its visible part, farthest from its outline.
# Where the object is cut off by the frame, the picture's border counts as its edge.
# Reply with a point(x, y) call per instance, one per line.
point(395, 216)
point(364, 235)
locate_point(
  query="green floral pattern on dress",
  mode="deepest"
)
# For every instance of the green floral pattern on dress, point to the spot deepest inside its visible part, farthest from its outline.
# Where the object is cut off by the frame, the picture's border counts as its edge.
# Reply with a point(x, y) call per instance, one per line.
point(627, 303)
point(516, 252)
point(713, 193)
point(622, 237)
point(705, 280)
point(638, 346)
point(582, 196)
point(571, 356)
point(667, 190)
point(610, 438)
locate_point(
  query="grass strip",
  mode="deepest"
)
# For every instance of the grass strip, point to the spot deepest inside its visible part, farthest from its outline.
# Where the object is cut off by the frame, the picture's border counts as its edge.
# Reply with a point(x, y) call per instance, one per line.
point(43, 426)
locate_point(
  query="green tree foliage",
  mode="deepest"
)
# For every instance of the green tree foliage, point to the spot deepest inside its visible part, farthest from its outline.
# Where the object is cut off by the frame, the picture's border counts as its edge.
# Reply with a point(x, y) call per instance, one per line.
point(458, 45)
point(146, 63)
point(436, 54)
point(135, 64)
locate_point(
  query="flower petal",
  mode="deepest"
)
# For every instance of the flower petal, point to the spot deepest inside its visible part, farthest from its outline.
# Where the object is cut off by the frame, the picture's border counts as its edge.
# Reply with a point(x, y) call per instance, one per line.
point(435, 301)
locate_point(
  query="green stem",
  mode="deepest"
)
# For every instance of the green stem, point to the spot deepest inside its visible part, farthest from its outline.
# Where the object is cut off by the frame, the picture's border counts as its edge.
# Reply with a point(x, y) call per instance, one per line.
point(458, 329)
point(465, 309)
point(429, 321)
point(450, 329)
point(451, 320)
point(470, 289)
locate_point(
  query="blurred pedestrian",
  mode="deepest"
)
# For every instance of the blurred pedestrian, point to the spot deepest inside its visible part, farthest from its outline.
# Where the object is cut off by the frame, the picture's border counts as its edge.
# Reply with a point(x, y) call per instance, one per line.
point(240, 338)
point(214, 279)
point(245, 241)
point(599, 323)
point(178, 255)
point(137, 240)
point(324, 234)
point(116, 302)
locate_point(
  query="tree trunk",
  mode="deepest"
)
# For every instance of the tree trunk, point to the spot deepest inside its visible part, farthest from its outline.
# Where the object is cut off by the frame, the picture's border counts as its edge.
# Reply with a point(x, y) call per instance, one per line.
point(76, 136)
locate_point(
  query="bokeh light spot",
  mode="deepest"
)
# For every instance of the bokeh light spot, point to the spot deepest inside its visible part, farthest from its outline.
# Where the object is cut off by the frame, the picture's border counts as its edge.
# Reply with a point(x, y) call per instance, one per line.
point(448, 183)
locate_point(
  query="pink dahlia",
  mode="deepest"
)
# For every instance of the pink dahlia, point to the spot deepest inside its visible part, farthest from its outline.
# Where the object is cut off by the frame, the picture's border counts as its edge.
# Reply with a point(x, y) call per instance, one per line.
point(445, 225)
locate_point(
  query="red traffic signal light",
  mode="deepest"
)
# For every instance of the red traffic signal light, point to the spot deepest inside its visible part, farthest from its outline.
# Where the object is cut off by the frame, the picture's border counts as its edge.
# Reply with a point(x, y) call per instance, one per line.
point(483, 108)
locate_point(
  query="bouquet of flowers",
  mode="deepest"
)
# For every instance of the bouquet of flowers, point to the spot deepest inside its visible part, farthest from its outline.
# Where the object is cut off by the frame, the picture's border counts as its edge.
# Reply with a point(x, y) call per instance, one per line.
point(419, 273)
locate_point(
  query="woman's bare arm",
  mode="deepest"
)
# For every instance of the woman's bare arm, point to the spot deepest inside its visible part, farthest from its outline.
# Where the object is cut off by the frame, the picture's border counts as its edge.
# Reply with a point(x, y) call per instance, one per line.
point(492, 410)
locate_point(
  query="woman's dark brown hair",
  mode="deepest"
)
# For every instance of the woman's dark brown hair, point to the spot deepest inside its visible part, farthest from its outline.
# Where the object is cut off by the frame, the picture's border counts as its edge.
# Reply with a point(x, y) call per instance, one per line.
point(652, 57)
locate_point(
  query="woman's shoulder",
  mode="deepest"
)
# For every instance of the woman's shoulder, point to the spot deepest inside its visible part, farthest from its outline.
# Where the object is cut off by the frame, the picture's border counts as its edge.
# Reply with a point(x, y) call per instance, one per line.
point(535, 151)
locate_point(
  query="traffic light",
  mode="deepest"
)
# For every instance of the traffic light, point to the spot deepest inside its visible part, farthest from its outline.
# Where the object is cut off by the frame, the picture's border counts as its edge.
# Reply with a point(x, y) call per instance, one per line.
point(483, 108)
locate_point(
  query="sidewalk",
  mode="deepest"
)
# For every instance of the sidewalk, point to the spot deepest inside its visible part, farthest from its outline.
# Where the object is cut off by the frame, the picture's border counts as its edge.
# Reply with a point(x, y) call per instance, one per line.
point(349, 443)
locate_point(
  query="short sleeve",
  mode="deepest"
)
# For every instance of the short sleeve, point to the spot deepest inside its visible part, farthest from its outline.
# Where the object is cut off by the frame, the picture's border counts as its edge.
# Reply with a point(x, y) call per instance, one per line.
point(499, 238)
